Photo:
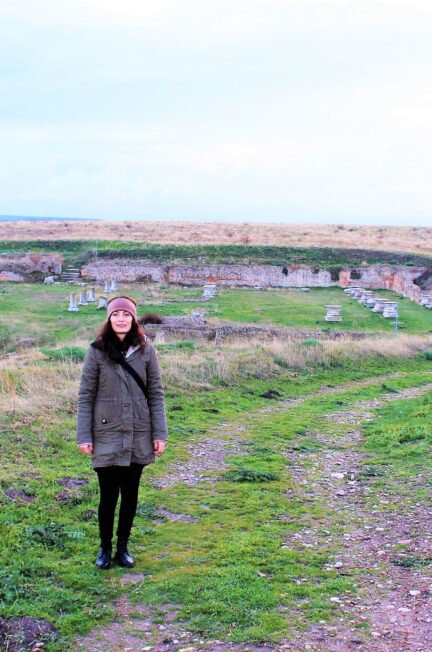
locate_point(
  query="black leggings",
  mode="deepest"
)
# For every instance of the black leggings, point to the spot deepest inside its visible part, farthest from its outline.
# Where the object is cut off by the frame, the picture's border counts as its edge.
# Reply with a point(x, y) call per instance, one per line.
point(115, 480)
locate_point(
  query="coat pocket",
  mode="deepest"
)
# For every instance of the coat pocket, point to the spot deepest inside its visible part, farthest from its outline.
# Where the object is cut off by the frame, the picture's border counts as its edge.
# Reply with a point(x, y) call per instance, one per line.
point(142, 420)
point(106, 413)
point(143, 446)
point(107, 427)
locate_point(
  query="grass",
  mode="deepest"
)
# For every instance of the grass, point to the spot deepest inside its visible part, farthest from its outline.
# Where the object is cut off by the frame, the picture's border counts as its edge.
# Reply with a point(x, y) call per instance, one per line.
point(78, 251)
point(400, 439)
point(293, 309)
point(40, 312)
point(231, 573)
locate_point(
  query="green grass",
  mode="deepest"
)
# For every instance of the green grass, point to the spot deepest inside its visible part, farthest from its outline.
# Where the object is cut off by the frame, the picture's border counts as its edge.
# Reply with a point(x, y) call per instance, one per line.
point(294, 309)
point(402, 436)
point(71, 353)
point(40, 312)
point(77, 252)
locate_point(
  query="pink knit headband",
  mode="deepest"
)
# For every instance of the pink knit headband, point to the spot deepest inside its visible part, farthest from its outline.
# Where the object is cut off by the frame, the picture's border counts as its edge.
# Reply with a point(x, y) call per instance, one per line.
point(121, 303)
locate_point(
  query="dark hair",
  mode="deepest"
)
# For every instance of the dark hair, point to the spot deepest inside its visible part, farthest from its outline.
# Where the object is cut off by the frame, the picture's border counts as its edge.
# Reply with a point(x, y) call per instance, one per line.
point(151, 318)
point(112, 345)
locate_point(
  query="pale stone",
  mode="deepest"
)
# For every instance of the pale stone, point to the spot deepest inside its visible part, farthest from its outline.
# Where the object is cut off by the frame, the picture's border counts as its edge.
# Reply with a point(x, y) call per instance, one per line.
point(333, 314)
point(91, 295)
point(73, 303)
point(102, 303)
point(83, 299)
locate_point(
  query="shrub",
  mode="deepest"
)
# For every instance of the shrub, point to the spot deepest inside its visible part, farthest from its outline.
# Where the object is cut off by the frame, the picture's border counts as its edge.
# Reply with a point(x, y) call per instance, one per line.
point(151, 318)
point(70, 353)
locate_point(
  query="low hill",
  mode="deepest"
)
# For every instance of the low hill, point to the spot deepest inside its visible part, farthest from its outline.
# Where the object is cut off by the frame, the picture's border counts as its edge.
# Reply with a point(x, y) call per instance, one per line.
point(416, 240)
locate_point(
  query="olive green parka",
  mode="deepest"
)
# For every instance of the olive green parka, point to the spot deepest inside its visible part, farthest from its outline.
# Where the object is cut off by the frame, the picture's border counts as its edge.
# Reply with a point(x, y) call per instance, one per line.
point(113, 412)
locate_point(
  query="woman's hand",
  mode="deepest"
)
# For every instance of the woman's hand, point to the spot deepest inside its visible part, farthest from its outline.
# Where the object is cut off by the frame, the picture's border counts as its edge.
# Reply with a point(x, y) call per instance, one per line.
point(86, 448)
point(159, 446)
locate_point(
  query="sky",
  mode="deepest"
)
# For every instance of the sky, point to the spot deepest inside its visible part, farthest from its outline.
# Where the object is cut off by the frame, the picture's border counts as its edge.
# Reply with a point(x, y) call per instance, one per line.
point(305, 111)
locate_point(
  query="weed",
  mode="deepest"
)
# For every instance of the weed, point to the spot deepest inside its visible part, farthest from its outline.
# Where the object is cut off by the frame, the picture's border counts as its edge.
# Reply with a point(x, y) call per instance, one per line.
point(51, 536)
point(250, 475)
point(413, 561)
point(147, 511)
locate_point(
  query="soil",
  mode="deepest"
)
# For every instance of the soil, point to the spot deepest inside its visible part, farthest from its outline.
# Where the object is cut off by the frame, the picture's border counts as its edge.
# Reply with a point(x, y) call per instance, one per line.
point(19, 496)
point(18, 634)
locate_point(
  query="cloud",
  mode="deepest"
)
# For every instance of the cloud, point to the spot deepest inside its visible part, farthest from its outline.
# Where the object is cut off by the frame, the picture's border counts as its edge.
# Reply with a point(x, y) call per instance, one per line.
point(185, 108)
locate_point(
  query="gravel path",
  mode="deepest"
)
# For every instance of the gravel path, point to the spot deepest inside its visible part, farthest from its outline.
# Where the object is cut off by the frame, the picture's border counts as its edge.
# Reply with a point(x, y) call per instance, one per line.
point(208, 460)
point(381, 547)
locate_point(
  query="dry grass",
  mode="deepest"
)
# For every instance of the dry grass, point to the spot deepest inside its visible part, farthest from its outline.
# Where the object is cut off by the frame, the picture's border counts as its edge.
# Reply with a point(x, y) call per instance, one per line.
point(32, 387)
point(262, 358)
point(29, 387)
point(399, 239)
point(296, 354)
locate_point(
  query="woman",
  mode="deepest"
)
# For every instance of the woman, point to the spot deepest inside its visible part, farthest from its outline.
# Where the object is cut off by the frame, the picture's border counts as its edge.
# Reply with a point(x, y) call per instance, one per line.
point(122, 427)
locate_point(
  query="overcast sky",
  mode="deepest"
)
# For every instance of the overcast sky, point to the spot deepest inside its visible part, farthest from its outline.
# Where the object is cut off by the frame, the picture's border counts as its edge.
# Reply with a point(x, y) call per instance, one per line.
point(260, 110)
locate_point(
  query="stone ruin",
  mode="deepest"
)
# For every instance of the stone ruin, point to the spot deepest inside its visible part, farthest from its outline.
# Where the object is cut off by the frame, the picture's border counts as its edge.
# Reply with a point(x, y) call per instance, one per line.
point(26, 264)
point(91, 295)
point(410, 281)
point(103, 302)
point(88, 295)
point(179, 321)
point(388, 309)
point(218, 334)
point(333, 313)
point(426, 299)
point(73, 303)
point(83, 298)
point(209, 291)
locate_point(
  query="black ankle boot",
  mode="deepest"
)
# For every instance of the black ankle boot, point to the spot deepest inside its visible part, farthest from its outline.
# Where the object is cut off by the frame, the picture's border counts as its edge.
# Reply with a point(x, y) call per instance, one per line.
point(103, 559)
point(123, 557)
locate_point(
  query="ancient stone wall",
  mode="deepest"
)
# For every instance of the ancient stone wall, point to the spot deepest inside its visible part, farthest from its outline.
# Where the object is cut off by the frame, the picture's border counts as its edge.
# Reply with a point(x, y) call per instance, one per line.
point(30, 263)
point(249, 275)
point(399, 278)
point(405, 280)
point(246, 275)
point(218, 333)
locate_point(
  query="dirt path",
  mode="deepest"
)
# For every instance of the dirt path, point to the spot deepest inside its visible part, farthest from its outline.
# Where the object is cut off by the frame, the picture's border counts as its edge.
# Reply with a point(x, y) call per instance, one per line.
point(209, 453)
point(384, 548)
point(385, 551)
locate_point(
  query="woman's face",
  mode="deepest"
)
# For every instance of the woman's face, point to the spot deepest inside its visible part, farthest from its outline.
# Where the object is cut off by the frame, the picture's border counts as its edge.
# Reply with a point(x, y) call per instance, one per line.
point(121, 322)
